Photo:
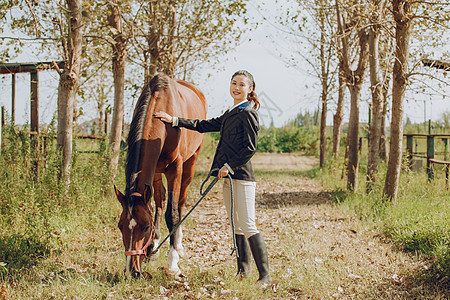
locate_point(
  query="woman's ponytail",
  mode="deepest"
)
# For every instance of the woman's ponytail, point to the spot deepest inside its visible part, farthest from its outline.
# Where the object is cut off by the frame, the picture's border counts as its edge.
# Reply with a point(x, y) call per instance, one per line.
point(253, 98)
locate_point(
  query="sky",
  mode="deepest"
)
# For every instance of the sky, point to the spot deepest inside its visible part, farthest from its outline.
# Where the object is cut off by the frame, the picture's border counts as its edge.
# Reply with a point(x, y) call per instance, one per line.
point(284, 90)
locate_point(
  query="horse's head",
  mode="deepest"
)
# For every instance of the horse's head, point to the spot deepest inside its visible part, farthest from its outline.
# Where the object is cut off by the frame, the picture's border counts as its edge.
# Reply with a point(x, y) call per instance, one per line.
point(136, 225)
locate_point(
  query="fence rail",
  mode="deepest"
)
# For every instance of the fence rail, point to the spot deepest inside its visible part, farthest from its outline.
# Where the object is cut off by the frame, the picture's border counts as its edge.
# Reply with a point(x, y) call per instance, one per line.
point(430, 153)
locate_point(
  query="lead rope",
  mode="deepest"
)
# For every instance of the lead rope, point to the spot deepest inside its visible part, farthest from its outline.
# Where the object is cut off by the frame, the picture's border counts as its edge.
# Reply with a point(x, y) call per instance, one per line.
point(203, 194)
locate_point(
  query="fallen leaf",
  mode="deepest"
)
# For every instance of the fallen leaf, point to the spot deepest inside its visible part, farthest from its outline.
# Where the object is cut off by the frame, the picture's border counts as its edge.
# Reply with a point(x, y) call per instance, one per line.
point(353, 276)
point(162, 290)
point(397, 279)
point(224, 292)
point(296, 291)
point(275, 286)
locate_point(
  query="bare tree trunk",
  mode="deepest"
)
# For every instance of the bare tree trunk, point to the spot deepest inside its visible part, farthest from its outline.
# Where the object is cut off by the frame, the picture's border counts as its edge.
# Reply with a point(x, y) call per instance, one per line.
point(400, 11)
point(377, 96)
point(354, 80)
point(119, 55)
point(153, 39)
point(323, 128)
point(324, 80)
point(353, 139)
point(171, 61)
point(68, 85)
point(339, 115)
point(384, 145)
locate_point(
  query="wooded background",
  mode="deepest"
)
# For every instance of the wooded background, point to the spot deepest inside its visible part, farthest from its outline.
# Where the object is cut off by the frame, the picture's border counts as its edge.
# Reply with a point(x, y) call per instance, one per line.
point(352, 43)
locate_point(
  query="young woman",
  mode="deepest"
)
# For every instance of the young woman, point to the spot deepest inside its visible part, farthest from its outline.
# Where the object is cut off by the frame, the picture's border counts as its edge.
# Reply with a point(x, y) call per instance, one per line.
point(238, 128)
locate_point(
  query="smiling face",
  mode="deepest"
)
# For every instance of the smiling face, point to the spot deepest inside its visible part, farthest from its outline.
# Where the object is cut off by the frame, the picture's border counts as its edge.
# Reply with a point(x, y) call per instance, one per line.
point(240, 88)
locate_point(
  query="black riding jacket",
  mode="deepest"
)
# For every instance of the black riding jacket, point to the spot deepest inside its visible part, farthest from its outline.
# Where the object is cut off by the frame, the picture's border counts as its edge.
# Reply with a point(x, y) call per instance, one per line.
point(238, 139)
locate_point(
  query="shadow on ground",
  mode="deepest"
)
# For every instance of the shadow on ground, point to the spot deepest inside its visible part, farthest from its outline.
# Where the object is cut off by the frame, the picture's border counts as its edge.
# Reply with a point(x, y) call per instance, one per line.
point(276, 200)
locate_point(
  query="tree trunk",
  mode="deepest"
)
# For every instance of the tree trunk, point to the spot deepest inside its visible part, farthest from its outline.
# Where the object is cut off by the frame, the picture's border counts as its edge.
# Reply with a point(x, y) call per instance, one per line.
point(353, 139)
point(353, 80)
point(68, 85)
point(400, 80)
point(339, 115)
point(384, 145)
point(377, 97)
point(118, 61)
point(323, 128)
point(324, 80)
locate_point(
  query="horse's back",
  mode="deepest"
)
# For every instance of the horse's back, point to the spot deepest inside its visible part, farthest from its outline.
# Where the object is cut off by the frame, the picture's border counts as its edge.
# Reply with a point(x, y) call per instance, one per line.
point(190, 100)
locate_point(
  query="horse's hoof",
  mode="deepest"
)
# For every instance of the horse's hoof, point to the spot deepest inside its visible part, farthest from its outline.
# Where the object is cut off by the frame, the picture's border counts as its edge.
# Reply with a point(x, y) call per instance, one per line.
point(172, 272)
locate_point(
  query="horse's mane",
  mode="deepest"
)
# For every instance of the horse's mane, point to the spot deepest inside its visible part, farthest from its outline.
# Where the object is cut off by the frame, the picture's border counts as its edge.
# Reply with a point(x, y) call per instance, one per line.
point(135, 135)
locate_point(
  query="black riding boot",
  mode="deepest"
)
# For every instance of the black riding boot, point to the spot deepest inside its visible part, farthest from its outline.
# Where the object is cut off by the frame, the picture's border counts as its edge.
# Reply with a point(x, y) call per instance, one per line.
point(259, 252)
point(243, 261)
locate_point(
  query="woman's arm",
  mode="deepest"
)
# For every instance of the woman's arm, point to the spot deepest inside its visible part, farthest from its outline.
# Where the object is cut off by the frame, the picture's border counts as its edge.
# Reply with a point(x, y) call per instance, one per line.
point(192, 124)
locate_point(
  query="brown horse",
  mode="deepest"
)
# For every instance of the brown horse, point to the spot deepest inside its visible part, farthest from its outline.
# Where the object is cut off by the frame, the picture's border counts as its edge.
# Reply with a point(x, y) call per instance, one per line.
point(155, 148)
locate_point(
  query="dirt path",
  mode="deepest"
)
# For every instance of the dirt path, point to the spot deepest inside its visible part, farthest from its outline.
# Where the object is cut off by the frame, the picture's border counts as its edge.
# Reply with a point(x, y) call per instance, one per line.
point(316, 249)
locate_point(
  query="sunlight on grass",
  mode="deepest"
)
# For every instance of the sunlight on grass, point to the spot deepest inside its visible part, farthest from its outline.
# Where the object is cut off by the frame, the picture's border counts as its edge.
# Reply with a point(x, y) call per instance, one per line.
point(420, 219)
point(323, 242)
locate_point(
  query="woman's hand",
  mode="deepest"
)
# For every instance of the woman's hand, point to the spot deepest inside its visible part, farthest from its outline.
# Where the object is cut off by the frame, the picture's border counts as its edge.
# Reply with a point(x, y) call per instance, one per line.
point(223, 172)
point(163, 116)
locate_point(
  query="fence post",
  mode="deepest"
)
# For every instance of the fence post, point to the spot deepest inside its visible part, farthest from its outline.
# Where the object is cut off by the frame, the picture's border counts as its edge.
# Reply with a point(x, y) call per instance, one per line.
point(445, 140)
point(360, 144)
point(13, 100)
point(34, 123)
point(430, 155)
point(409, 149)
point(106, 122)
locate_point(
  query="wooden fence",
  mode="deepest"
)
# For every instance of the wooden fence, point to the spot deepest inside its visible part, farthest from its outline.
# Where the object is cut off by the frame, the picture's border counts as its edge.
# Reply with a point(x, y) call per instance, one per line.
point(430, 152)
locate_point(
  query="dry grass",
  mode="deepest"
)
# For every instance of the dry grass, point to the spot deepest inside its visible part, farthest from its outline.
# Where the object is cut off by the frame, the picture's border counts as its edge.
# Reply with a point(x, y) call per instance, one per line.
point(317, 250)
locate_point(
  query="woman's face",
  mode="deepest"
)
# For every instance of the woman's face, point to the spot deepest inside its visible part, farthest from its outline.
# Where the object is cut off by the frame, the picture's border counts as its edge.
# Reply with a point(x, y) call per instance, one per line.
point(240, 88)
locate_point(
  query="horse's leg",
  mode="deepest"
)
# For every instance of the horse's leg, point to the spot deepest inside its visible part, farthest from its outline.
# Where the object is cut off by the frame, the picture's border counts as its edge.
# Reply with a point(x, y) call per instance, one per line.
point(160, 197)
point(186, 179)
point(173, 174)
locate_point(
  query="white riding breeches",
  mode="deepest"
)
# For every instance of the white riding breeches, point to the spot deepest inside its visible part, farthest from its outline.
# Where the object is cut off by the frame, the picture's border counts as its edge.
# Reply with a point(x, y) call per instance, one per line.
point(244, 205)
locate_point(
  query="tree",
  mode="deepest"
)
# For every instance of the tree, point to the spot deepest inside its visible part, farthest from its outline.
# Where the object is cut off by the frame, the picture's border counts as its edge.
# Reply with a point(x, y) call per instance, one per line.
point(60, 26)
point(339, 114)
point(176, 36)
point(317, 17)
point(119, 48)
point(401, 10)
point(354, 80)
point(433, 14)
point(377, 92)
point(71, 42)
point(324, 59)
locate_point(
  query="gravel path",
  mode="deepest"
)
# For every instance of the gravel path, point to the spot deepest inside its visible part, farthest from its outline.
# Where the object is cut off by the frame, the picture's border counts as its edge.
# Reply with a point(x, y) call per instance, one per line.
point(333, 254)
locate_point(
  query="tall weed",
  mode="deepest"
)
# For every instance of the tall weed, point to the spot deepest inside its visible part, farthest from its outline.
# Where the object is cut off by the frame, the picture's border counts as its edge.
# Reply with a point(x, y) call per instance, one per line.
point(34, 204)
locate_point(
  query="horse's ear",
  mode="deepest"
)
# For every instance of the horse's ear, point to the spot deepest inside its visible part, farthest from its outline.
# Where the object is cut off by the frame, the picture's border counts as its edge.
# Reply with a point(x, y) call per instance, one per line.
point(119, 195)
point(147, 193)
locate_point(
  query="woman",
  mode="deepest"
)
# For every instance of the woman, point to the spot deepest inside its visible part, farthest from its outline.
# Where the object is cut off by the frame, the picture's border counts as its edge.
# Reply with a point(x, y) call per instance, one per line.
point(238, 128)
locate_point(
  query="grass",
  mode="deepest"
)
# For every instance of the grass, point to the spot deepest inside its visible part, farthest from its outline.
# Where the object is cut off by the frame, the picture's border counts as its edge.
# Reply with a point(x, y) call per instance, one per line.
point(57, 244)
point(419, 222)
